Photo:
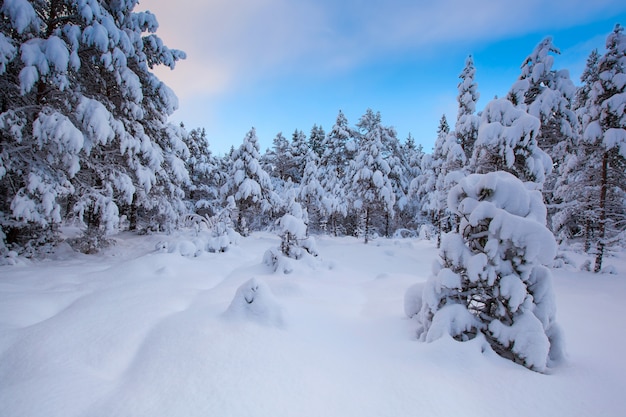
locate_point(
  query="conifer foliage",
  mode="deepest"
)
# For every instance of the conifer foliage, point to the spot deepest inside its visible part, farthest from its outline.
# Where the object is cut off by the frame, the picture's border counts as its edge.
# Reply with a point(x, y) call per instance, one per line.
point(492, 279)
point(84, 121)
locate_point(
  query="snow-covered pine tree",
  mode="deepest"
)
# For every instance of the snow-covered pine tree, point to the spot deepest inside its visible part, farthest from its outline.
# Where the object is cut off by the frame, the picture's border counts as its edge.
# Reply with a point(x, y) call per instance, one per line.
point(548, 95)
point(399, 157)
point(298, 148)
point(606, 133)
point(333, 167)
point(84, 120)
point(206, 178)
point(371, 186)
point(492, 279)
point(311, 191)
point(250, 185)
point(467, 120)
point(576, 189)
point(279, 158)
point(316, 140)
point(412, 160)
point(507, 141)
point(440, 171)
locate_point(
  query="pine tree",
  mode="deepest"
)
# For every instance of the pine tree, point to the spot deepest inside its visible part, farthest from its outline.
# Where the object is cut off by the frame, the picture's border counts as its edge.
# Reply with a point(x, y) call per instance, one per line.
point(205, 176)
point(298, 149)
point(467, 121)
point(280, 158)
point(371, 186)
point(492, 280)
point(507, 141)
point(84, 120)
point(311, 191)
point(440, 171)
point(316, 140)
point(413, 157)
point(250, 185)
point(549, 95)
point(576, 189)
point(606, 132)
point(333, 167)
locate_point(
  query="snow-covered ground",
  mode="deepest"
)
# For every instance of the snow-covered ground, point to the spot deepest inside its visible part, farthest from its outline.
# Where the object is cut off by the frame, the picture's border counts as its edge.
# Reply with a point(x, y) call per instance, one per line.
point(140, 332)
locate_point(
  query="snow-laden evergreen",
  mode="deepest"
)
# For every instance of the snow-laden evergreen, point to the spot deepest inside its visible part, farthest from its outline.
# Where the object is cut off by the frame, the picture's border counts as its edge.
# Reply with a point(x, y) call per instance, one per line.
point(467, 120)
point(549, 95)
point(333, 167)
point(507, 141)
point(492, 279)
point(249, 185)
point(205, 175)
point(605, 134)
point(371, 186)
point(576, 188)
point(84, 120)
point(317, 139)
point(311, 190)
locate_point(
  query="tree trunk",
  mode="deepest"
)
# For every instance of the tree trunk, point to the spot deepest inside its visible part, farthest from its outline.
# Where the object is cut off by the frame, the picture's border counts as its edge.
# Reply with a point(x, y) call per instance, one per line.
point(602, 222)
point(132, 216)
point(588, 235)
point(367, 224)
point(439, 220)
point(387, 222)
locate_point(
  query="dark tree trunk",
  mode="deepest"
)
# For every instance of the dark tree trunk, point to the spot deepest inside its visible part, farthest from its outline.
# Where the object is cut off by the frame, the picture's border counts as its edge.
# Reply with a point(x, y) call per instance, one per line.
point(367, 224)
point(602, 222)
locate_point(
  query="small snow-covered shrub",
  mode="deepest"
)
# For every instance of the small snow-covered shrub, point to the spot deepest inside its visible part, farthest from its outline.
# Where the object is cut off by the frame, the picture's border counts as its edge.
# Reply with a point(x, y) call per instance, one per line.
point(294, 244)
point(275, 259)
point(492, 277)
point(254, 301)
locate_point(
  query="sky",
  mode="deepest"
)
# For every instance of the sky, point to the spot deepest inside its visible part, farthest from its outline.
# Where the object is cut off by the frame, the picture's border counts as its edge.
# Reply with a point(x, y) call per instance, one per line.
point(282, 65)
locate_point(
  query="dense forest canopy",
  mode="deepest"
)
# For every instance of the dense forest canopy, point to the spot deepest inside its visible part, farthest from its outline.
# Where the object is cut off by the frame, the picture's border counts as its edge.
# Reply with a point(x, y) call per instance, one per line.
point(86, 141)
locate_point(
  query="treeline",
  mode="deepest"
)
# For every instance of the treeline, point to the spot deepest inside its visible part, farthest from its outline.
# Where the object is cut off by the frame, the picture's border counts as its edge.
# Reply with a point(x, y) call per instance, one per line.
point(85, 140)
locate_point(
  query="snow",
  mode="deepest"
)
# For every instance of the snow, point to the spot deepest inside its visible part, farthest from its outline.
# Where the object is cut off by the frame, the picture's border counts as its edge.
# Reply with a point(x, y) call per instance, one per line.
point(7, 52)
point(21, 13)
point(134, 331)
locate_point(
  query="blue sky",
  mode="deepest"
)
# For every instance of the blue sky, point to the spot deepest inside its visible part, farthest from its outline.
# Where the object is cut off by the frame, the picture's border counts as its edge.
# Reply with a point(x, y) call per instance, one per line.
point(281, 65)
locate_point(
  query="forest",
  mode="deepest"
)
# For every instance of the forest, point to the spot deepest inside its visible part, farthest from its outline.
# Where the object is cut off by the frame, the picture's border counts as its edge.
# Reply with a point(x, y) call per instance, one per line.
point(86, 141)
point(142, 274)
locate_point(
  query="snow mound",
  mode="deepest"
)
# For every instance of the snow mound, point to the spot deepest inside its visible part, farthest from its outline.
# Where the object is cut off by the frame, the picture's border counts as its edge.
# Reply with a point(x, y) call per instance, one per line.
point(413, 299)
point(255, 301)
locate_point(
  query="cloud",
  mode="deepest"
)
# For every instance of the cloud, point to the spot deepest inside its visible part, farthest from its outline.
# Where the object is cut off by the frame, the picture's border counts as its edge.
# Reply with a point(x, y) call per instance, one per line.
point(232, 43)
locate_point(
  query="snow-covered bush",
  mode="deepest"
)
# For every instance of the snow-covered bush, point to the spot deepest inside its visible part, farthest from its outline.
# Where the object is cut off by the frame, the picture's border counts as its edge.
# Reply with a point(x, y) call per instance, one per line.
point(492, 279)
point(254, 301)
point(215, 233)
point(294, 242)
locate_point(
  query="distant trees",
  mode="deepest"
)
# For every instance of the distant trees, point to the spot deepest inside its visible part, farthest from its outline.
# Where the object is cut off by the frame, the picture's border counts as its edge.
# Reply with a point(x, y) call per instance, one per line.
point(607, 130)
point(85, 138)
